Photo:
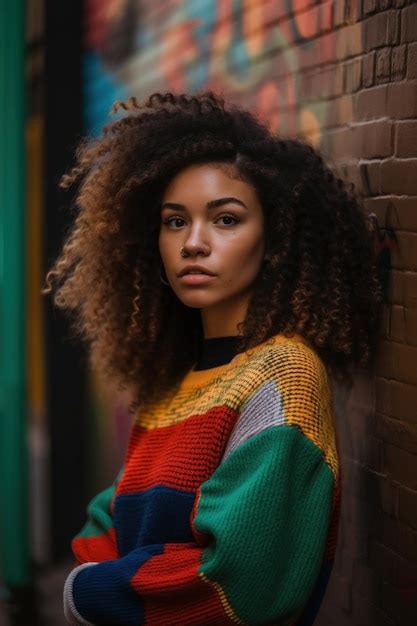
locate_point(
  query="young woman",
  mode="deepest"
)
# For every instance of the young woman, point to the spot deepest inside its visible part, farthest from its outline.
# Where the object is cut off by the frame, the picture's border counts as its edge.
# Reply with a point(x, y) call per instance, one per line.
point(222, 275)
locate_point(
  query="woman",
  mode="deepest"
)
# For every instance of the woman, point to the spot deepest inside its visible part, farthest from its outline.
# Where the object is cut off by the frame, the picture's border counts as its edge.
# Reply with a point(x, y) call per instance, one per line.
point(221, 275)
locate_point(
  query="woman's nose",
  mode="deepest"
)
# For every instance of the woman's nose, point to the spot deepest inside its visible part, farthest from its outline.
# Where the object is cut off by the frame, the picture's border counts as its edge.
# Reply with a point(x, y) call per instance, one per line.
point(197, 242)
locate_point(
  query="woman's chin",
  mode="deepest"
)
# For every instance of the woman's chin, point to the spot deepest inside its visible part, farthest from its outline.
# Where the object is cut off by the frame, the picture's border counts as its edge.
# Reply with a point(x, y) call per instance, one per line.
point(197, 300)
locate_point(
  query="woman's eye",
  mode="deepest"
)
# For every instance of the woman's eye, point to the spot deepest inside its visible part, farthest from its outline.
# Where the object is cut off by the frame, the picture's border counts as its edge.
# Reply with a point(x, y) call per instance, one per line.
point(170, 220)
point(229, 217)
point(177, 222)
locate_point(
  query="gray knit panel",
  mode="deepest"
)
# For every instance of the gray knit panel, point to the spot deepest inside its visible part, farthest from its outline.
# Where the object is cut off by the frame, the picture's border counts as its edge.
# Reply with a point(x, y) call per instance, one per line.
point(264, 408)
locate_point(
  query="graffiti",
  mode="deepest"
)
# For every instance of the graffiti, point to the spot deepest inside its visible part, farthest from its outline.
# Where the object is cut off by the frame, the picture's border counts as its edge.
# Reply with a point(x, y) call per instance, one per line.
point(260, 52)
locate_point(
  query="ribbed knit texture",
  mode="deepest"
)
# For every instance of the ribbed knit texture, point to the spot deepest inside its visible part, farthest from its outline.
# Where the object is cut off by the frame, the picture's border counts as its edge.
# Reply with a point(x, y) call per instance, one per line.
point(227, 507)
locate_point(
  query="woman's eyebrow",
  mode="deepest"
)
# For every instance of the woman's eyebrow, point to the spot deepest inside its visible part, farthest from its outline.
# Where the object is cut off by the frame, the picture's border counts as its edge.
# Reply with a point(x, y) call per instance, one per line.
point(210, 204)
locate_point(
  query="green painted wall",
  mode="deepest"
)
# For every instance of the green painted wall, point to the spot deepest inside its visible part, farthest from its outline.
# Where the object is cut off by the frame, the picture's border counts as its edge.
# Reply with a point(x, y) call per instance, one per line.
point(14, 511)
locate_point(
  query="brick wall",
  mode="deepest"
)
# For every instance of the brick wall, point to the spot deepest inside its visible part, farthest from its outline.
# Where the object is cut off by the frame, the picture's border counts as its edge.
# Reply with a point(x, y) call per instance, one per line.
point(341, 74)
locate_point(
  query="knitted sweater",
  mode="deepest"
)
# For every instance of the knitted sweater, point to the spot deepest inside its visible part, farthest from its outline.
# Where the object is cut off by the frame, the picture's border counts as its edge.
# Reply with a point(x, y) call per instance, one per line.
point(227, 506)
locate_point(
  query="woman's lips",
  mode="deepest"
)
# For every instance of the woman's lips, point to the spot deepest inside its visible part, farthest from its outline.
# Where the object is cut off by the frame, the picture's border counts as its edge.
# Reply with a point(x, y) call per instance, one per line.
point(196, 279)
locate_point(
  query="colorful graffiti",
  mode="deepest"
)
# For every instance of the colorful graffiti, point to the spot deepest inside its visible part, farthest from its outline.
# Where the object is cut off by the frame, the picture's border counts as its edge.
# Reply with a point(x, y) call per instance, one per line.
point(260, 52)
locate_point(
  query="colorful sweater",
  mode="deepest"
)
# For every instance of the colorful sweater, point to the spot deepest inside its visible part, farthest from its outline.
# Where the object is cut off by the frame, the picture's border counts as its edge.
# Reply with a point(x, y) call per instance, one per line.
point(226, 509)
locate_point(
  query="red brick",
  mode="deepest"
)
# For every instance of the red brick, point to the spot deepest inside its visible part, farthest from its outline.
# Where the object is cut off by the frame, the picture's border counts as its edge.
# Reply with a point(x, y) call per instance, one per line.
point(370, 104)
point(350, 172)
point(383, 65)
point(397, 536)
point(403, 324)
point(349, 42)
point(382, 395)
point(398, 62)
point(410, 289)
point(398, 432)
point(402, 99)
point(381, 29)
point(360, 482)
point(385, 561)
point(375, 140)
point(400, 401)
point(383, 5)
point(404, 255)
point(368, 69)
point(396, 287)
point(340, 143)
point(385, 362)
point(388, 492)
point(332, 83)
point(369, 6)
point(396, 323)
point(371, 177)
point(406, 139)
point(352, 75)
point(407, 363)
point(378, 206)
point(411, 326)
point(397, 361)
point(412, 61)
point(409, 24)
point(399, 176)
point(400, 465)
point(393, 27)
point(326, 15)
point(399, 213)
point(339, 111)
point(407, 506)
point(375, 31)
point(339, 12)
point(353, 11)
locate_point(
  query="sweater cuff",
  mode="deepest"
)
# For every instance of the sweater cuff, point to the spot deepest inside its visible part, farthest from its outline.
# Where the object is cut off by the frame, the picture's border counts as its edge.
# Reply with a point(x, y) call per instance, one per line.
point(70, 611)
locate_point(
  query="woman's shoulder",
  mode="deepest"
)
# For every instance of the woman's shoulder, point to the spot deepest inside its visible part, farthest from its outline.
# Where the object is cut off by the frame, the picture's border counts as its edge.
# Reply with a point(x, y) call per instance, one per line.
point(286, 359)
point(285, 383)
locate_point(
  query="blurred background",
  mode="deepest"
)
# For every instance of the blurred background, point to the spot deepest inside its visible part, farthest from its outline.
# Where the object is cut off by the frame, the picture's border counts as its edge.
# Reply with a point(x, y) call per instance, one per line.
point(341, 74)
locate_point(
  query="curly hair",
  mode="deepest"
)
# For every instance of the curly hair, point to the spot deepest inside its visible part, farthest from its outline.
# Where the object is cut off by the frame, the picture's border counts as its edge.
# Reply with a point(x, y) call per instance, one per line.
point(322, 280)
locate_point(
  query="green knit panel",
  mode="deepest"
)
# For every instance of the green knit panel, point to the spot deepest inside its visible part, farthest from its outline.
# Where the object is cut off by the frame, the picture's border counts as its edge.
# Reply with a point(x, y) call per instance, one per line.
point(268, 507)
point(99, 518)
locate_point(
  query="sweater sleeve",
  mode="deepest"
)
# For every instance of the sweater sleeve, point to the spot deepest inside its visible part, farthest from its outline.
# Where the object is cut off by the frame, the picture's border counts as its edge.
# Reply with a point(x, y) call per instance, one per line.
point(259, 526)
point(260, 523)
point(97, 541)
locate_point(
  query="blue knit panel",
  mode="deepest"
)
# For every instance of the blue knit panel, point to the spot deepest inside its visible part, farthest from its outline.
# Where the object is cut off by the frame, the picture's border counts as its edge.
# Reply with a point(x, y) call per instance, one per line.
point(102, 592)
point(159, 515)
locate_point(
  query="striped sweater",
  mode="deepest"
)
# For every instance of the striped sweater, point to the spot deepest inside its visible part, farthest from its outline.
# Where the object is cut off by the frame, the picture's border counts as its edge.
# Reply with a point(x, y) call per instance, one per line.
point(226, 509)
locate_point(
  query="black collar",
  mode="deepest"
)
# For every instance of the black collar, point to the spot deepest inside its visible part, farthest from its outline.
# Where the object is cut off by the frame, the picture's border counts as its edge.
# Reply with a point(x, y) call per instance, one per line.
point(216, 351)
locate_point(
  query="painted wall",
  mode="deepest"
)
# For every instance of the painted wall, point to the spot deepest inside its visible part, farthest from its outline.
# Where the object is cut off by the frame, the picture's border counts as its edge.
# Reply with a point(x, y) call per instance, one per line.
point(341, 74)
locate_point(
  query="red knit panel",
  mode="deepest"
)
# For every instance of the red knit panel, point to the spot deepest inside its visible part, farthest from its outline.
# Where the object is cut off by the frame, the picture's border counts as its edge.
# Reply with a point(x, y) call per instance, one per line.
point(100, 548)
point(180, 456)
point(174, 592)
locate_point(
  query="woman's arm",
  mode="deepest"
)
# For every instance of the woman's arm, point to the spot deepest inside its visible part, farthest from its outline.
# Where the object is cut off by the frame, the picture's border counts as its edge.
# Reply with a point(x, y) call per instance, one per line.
point(260, 525)
point(96, 541)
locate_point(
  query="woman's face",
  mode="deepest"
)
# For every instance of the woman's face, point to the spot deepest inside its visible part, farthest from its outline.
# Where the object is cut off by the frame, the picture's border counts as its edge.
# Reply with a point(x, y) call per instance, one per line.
point(219, 222)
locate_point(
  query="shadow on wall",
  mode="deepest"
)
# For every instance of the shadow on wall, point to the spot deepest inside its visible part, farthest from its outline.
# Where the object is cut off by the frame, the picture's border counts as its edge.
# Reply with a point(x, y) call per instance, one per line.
point(360, 460)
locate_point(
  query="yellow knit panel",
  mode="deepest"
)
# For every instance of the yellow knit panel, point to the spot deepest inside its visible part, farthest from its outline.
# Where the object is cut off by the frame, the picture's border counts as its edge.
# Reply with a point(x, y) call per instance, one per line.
point(302, 379)
point(216, 386)
point(223, 599)
point(299, 375)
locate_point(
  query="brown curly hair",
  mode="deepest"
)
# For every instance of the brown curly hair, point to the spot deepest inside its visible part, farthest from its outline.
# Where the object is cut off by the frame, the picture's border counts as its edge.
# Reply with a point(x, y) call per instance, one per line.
point(322, 280)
